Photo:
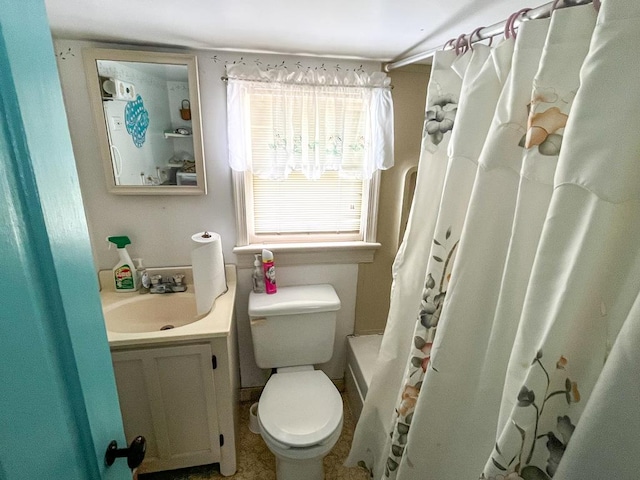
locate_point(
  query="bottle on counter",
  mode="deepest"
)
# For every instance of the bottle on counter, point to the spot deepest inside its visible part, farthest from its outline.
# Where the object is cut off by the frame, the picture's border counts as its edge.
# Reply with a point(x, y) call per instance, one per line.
point(125, 277)
point(258, 274)
point(145, 280)
point(269, 270)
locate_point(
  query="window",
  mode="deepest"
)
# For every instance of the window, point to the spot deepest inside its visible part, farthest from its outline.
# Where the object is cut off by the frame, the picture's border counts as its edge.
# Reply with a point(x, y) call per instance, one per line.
point(306, 156)
point(300, 209)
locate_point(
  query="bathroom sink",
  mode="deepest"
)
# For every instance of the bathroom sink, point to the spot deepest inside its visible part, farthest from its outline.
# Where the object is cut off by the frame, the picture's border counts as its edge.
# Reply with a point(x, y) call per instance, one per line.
point(151, 313)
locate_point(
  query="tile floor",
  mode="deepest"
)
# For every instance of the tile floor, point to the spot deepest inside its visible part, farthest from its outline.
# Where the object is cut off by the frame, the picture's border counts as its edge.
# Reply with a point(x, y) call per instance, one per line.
point(256, 462)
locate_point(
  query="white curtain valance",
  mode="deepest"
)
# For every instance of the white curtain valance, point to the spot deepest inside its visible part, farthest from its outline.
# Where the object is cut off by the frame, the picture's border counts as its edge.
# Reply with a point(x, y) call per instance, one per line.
point(309, 121)
point(309, 76)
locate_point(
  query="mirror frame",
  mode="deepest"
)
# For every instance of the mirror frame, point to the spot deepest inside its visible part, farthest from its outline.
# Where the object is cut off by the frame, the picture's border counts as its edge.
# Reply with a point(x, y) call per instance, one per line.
point(91, 57)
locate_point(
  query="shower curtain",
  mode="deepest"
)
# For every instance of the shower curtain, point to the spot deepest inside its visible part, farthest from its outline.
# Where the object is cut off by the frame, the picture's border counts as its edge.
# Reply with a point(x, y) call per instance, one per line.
point(511, 346)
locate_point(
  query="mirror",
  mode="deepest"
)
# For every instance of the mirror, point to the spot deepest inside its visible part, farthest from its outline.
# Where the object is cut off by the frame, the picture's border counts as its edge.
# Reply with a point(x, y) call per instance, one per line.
point(146, 107)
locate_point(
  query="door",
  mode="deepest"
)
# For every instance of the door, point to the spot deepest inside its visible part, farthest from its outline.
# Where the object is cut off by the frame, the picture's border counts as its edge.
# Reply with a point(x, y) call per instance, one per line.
point(168, 395)
point(57, 392)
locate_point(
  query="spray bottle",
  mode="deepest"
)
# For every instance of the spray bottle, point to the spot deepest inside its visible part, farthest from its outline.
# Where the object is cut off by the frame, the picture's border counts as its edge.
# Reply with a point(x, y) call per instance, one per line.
point(269, 272)
point(125, 277)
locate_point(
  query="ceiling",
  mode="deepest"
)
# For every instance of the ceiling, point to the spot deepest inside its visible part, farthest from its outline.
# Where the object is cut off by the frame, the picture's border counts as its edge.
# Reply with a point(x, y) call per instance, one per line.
point(381, 30)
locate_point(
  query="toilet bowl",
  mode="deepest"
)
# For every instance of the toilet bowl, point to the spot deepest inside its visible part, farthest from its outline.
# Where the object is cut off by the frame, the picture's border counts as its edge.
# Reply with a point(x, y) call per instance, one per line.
point(300, 410)
point(300, 417)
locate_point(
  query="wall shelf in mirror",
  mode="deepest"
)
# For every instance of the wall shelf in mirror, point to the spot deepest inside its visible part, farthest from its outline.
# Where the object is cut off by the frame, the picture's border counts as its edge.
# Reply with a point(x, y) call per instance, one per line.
point(140, 100)
point(176, 135)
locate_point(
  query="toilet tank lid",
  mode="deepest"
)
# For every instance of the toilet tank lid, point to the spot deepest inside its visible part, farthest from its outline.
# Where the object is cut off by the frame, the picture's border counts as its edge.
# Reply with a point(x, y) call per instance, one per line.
point(294, 301)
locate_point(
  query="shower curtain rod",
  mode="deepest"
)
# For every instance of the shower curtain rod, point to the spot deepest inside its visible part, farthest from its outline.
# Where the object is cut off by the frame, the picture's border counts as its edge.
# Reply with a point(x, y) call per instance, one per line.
point(488, 32)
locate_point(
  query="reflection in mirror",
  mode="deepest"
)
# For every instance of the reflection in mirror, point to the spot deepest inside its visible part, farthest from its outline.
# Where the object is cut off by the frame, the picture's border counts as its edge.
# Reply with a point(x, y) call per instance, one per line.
point(147, 111)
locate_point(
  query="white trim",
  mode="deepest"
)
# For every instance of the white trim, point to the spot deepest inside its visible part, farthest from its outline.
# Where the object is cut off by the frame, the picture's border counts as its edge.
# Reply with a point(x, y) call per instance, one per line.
point(310, 253)
point(239, 194)
point(370, 218)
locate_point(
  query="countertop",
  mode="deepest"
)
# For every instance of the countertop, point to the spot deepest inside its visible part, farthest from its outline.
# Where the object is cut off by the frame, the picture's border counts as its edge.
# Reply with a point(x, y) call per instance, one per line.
point(217, 323)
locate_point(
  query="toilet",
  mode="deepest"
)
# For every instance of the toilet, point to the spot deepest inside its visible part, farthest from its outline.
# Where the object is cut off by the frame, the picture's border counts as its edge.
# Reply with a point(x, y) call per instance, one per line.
point(300, 409)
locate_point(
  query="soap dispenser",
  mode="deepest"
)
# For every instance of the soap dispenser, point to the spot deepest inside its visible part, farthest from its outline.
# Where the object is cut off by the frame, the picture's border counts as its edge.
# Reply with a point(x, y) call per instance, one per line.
point(258, 275)
point(145, 280)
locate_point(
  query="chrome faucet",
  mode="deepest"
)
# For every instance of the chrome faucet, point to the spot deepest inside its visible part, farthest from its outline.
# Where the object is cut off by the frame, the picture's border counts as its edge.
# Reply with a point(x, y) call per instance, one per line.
point(168, 285)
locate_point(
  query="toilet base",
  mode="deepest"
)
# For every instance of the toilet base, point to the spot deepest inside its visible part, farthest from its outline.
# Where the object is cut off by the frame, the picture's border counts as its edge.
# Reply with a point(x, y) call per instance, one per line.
point(300, 464)
point(290, 469)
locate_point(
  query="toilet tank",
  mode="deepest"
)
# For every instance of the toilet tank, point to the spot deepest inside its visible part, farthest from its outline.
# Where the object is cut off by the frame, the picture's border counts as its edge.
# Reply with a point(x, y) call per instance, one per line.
point(294, 326)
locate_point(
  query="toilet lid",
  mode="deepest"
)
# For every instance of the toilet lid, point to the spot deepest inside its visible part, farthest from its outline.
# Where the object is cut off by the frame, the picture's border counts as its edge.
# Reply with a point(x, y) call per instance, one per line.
point(300, 409)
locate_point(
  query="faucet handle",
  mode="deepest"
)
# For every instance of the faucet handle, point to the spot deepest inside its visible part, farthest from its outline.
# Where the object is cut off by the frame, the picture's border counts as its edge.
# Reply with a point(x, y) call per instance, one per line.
point(177, 278)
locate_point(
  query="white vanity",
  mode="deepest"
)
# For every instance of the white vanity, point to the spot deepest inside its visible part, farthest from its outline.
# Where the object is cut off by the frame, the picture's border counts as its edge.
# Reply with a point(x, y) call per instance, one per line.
point(177, 387)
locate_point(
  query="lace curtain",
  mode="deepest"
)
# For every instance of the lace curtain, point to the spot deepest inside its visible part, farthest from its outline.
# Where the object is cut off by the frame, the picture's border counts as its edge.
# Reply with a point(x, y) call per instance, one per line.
point(309, 121)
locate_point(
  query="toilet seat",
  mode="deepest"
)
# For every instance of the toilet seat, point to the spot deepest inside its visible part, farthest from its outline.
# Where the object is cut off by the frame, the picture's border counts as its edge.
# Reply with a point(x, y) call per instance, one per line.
point(301, 408)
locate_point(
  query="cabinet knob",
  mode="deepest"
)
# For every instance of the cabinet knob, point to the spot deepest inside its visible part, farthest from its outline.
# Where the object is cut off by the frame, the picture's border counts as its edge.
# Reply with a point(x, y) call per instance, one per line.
point(134, 453)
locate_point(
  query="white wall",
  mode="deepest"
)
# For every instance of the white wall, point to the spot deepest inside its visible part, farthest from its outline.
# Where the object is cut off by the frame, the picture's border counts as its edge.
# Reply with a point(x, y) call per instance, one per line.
point(177, 92)
point(160, 227)
point(396, 192)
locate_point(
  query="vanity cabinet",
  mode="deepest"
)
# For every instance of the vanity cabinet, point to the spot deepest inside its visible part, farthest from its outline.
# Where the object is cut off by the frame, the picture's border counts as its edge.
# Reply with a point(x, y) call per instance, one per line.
point(177, 397)
point(179, 387)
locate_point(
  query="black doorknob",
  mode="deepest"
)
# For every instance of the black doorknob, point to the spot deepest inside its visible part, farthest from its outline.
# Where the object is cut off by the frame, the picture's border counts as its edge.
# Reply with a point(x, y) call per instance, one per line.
point(134, 453)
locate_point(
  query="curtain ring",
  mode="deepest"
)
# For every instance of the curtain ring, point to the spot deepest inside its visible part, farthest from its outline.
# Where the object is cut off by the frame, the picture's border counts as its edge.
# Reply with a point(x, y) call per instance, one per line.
point(516, 15)
point(448, 44)
point(470, 39)
point(459, 49)
point(554, 5)
point(596, 5)
point(460, 46)
point(507, 25)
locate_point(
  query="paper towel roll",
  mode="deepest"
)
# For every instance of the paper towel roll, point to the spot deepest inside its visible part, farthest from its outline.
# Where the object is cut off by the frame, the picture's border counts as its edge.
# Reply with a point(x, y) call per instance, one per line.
point(209, 280)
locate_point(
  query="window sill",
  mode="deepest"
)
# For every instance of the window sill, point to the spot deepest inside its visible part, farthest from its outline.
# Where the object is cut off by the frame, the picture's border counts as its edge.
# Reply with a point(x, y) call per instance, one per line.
point(310, 253)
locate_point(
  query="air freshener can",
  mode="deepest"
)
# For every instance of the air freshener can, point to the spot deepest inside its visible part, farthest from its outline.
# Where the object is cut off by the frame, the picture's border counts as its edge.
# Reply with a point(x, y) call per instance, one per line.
point(269, 270)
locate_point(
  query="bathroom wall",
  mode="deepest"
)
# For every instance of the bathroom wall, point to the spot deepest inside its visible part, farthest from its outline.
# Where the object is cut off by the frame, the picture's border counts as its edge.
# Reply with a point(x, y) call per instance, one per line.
point(160, 227)
point(177, 92)
point(374, 279)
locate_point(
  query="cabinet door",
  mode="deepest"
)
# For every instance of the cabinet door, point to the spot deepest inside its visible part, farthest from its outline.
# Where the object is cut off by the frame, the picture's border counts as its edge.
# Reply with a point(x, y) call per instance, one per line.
point(167, 394)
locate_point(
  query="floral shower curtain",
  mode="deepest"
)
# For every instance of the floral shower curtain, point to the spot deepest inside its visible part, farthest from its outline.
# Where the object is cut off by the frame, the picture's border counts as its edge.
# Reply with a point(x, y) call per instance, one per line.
point(409, 265)
point(514, 359)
